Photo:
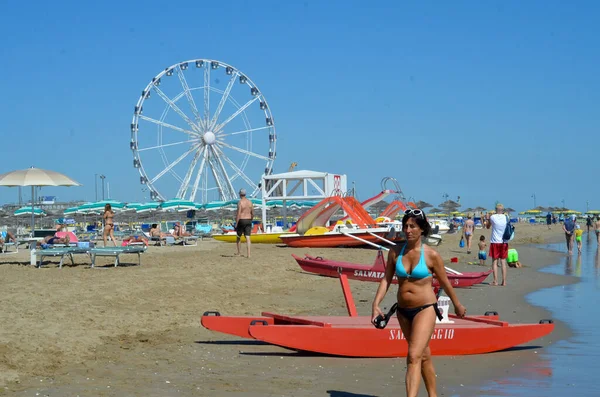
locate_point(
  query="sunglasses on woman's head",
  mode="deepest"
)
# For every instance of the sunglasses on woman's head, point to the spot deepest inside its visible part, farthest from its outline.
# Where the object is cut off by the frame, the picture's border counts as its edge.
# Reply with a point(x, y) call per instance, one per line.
point(415, 212)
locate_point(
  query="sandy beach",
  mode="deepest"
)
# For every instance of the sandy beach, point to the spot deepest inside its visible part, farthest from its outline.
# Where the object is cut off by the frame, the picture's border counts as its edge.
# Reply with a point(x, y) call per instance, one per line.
point(134, 330)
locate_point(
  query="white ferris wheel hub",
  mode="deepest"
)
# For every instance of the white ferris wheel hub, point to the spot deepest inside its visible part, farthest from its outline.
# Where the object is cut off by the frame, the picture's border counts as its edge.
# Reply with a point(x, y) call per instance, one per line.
point(209, 137)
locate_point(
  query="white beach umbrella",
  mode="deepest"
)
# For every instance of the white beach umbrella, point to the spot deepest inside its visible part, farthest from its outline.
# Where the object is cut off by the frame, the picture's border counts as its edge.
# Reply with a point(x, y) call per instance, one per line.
point(35, 177)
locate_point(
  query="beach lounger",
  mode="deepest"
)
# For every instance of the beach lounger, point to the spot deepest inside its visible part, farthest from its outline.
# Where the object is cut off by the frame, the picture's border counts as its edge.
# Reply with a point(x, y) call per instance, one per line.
point(186, 241)
point(116, 252)
point(62, 252)
point(7, 245)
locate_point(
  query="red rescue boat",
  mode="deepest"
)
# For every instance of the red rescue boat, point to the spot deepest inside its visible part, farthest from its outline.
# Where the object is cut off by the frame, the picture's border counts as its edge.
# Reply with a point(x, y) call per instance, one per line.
point(355, 336)
point(355, 271)
point(335, 239)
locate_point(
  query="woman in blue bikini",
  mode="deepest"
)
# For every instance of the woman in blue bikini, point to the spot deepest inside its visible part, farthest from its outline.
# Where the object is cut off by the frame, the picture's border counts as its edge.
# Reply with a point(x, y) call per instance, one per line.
point(414, 264)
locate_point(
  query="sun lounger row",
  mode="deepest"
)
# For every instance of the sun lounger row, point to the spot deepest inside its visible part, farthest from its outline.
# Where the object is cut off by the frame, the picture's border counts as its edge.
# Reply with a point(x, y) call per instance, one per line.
point(63, 252)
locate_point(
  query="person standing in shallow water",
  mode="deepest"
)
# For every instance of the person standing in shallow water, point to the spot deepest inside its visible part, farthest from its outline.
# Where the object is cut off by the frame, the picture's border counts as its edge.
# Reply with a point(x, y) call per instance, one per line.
point(243, 221)
point(414, 264)
point(569, 229)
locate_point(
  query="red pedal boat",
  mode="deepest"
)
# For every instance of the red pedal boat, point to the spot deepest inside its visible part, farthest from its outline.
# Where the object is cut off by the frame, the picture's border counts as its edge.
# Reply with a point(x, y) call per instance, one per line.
point(355, 336)
point(355, 271)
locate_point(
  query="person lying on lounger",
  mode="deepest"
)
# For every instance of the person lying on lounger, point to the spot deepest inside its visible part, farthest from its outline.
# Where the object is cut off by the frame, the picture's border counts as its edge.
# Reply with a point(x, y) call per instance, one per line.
point(179, 232)
point(134, 239)
point(157, 235)
point(51, 240)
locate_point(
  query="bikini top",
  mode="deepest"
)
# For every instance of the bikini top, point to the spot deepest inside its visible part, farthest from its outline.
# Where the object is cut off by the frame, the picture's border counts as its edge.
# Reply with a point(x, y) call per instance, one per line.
point(420, 271)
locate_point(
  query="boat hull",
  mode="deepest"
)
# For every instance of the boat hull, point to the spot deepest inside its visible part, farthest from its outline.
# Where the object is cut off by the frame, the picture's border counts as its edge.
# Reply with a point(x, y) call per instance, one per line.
point(376, 272)
point(357, 337)
point(332, 240)
point(259, 238)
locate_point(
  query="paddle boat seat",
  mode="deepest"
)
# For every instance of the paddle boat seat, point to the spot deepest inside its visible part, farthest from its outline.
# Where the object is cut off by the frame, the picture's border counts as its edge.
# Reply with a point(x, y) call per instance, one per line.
point(116, 252)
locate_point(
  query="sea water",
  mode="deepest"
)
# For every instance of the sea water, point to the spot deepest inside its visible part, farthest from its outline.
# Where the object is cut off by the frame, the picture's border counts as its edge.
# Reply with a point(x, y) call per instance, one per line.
point(569, 367)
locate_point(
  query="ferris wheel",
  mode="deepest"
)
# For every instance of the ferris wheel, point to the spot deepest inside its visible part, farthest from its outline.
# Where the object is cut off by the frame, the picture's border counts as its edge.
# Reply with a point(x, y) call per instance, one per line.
point(201, 130)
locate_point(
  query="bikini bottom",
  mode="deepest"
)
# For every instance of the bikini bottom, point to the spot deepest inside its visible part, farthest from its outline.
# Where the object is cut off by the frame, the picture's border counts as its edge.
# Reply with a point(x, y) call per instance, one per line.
point(410, 313)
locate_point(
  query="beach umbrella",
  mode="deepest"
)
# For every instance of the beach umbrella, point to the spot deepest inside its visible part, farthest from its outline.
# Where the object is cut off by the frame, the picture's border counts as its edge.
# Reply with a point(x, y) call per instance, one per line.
point(509, 209)
point(305, 204)
point(147, 207)
point(132, 206)
point(98, 206)
point(438, 214)
point(35, 177)
point(178, 205)
point(215, 205)
point(593, 212)
point(29, 211)
point(572, 212)
point(71, 211)
point(423, 204)
point(533, 212)
point(479, 209)
point(449, 204)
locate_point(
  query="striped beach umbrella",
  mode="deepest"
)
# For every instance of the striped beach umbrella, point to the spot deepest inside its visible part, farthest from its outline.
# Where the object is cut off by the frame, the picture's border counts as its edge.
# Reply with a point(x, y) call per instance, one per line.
point(214, 205)
point(132, 206)
point(28, 211)
point(98, 207)
point(147, 207)
point(71, 211)
point(178, 205)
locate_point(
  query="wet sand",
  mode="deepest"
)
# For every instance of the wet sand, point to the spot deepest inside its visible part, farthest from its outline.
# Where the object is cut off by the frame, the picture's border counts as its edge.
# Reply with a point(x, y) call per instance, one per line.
point(135, 330)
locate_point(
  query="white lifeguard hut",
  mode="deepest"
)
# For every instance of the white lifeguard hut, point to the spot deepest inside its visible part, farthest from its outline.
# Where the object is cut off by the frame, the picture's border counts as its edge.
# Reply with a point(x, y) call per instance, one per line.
point(298, 186)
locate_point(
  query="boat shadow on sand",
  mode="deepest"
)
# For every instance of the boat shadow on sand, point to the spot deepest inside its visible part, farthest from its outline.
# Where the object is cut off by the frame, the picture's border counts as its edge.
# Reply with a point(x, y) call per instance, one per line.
point(244, 342)
point(339, 393)
point(302, 353)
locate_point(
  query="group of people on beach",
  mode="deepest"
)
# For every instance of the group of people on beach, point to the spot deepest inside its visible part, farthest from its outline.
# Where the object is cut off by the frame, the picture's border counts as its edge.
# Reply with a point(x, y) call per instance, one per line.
point(574, 232)
point(499, 250)
point(155, 233)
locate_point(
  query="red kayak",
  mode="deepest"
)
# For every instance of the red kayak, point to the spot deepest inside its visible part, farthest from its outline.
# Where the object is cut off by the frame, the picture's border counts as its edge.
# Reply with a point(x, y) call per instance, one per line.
point(355, 271)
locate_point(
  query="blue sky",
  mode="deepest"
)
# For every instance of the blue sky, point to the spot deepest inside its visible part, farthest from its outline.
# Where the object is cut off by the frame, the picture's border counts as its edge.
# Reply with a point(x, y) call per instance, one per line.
point(493, 100)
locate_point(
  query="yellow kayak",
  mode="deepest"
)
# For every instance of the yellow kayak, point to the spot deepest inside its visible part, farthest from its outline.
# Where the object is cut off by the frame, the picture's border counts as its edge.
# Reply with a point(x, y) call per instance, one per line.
point(259, 238)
